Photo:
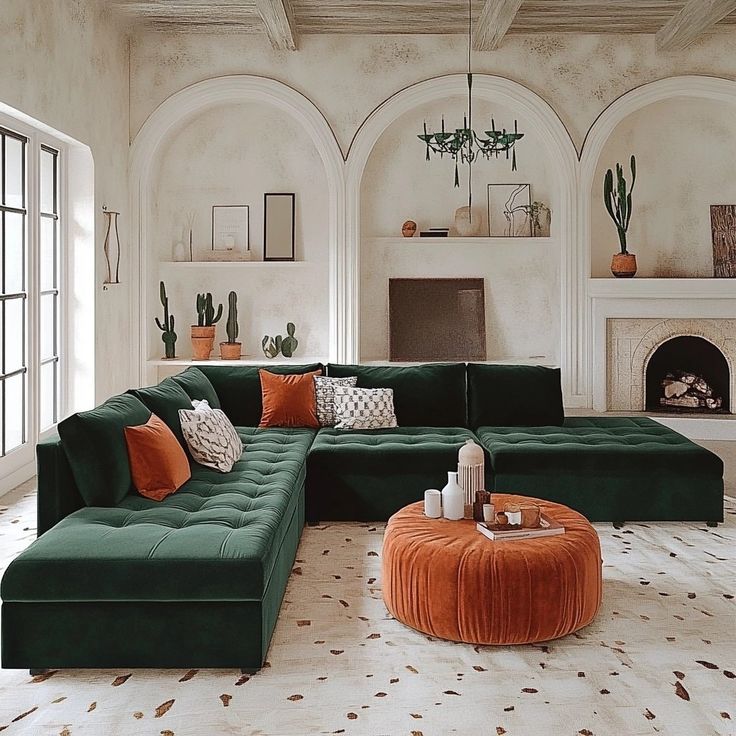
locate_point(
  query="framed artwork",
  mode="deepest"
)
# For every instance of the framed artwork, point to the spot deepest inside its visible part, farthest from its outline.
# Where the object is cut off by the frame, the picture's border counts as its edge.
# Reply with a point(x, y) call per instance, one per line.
point(509, 211)
point(278, 227)
point(230, 228)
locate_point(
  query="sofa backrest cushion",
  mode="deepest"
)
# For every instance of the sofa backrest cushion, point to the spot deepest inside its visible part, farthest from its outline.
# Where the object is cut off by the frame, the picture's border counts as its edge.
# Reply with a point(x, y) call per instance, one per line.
point(238, 388)
point(514, 396)
point(431, 395)
point(94, 444)
point(197, 386)
point(165, 400)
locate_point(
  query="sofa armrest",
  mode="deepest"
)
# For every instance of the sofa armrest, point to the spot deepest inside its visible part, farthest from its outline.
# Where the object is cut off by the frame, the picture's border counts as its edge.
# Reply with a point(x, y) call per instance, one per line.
point(57, 492)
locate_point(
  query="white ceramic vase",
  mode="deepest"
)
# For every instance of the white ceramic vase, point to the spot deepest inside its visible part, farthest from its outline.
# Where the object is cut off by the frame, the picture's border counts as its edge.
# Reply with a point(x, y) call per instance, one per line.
point(467, 222)
point(453, 499)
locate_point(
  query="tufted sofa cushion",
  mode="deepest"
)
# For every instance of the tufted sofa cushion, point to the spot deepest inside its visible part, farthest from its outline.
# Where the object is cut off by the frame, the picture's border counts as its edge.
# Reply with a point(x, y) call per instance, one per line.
point(368, 475)
point(609, 468)
point(215, 539)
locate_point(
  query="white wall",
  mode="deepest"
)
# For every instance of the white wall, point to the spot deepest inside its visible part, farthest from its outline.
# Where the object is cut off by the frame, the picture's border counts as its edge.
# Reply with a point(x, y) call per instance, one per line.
point(232, 154)
point(686, 156)
point(520, 277)
point(66, 63)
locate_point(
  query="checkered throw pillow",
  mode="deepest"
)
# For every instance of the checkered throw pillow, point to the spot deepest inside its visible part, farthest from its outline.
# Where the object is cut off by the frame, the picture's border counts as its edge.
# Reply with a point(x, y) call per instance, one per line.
point(364, 408)
point(324, 390)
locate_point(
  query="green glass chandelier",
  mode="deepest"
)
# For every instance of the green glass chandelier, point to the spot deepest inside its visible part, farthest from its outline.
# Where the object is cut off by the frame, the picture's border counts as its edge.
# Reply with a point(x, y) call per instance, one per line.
point(464, 145)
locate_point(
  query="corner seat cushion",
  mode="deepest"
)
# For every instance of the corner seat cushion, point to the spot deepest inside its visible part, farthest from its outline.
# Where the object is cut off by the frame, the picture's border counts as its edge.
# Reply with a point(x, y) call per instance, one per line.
point(94, 444)
point(238, 388)
point(216, 539)
point(367, 475)
point(431, 395)
point(609, 468)
point(197, 386)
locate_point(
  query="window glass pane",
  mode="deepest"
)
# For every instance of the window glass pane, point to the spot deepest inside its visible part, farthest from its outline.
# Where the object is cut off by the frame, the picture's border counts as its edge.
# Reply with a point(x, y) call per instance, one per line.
point(48, 175)
point(13, 334)
point(47, 256)
point(14, 413)
point(13, 172)
point(48, 326)
point(47, 400)
point(14, 277)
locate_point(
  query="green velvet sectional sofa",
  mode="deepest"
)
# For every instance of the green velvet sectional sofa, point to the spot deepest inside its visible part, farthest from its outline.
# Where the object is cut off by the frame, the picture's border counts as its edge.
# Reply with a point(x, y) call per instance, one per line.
point(197, 579)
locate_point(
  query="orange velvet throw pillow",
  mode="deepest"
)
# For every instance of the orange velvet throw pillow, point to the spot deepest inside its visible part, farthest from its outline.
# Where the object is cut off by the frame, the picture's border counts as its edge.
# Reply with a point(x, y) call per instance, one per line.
point(288, 400)
point(158, 464)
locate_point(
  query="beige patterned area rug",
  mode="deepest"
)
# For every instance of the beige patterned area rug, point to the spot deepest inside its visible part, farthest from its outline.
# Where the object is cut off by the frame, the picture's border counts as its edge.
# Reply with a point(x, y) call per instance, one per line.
point(660, 657)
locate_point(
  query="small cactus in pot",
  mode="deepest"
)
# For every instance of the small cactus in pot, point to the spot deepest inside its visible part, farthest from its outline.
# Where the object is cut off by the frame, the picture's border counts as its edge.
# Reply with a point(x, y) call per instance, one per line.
point(289, 343)
point(203, 333)
point(618, 204)
point(231, 350)
point(167, 326)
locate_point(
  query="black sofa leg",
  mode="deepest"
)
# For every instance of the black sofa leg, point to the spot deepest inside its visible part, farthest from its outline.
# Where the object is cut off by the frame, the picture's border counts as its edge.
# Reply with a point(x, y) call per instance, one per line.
point(618, 524)
point(712, 523)
point(249, 671)
point(312, 523)
point(34, 673)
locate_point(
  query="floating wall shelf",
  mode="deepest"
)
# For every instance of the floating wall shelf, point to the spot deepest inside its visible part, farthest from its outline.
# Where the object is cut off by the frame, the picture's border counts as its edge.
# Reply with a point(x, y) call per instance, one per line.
point(483, 241)
point(229, 264)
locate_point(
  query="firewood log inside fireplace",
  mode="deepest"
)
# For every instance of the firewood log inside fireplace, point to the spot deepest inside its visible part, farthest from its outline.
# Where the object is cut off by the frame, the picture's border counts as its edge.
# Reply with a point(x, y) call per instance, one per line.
point(685, 390)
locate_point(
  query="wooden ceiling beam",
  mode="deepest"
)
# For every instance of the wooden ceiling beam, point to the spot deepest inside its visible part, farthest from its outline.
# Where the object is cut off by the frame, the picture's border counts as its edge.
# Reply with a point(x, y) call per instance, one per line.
point(278, 18)
point(495, 19)
point(696, 17)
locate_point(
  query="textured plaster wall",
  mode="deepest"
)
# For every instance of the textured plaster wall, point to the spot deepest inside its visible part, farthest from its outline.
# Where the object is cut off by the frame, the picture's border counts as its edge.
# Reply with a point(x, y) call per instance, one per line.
point(686, 154)
point(66, 64)
point(231, 155)
point(349, 76)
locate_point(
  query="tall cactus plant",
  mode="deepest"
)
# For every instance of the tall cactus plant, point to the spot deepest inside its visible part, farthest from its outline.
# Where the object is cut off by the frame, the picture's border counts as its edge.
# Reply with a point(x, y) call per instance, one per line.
point(167, 327)
point(618, 200)
point(206, 316)
point(231, 326)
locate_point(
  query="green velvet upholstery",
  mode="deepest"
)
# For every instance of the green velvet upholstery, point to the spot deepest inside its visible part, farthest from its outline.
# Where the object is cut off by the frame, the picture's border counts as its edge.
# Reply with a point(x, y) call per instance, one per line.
point(58, 495)
point(226, 540)
point(609, 469)
point(369, 475)
point(94, 444)
point(239, 388)
point(197, 386)
point(431, 395)
point(164, 400)
point(514, 396)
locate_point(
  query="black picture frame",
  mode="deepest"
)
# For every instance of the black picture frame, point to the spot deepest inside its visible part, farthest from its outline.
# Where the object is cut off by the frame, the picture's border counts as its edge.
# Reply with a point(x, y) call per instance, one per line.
point(276, 245)
point(524, 190)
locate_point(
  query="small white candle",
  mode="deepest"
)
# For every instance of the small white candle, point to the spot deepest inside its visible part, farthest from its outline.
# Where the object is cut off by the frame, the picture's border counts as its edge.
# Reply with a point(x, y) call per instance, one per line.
point(489, 513)
point(432, 503)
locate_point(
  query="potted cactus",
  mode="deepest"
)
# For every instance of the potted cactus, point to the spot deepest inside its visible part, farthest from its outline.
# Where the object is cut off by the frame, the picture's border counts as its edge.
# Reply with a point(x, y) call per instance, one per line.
point(230, 350)
point(203, 333)
point(167, 327)
point(618, 204)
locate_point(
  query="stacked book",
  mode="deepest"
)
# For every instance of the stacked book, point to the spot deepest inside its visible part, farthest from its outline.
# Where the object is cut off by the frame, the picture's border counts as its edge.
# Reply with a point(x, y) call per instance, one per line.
point(498, 532)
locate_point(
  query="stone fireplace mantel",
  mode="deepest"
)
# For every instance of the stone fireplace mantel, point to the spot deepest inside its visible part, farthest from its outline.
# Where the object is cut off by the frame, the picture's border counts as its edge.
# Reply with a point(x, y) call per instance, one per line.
point(631, 318)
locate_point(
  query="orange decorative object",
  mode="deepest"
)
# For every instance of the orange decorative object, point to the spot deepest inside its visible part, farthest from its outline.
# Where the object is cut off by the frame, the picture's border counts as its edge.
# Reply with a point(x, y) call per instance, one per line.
point(446, 579)
point(158, 464)
point(288, 400)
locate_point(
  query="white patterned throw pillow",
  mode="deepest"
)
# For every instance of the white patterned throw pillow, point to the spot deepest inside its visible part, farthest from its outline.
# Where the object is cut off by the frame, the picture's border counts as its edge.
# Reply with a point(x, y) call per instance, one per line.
point(211, 437)
point(364, 408)
point(324, 390)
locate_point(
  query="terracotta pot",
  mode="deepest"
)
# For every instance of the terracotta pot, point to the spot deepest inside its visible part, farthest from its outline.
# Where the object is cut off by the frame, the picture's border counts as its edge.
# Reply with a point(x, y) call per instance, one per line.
point(623, 265)
point(230, 350)
point(203, 338)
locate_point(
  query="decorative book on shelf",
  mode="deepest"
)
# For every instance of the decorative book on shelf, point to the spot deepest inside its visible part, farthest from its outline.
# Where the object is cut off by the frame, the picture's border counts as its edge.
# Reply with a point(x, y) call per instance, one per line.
point(498, 532)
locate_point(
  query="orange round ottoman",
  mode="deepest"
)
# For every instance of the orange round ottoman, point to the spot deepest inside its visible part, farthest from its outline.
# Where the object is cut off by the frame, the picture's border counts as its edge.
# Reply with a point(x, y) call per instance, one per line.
point(446, 579)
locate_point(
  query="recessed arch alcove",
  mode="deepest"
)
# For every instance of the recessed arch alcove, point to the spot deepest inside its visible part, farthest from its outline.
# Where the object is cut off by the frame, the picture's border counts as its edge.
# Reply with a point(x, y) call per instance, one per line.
point(164, 124)
point(534, 115)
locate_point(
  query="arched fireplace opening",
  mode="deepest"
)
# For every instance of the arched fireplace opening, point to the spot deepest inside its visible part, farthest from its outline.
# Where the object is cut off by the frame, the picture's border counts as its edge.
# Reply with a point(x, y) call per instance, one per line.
point(688, 374)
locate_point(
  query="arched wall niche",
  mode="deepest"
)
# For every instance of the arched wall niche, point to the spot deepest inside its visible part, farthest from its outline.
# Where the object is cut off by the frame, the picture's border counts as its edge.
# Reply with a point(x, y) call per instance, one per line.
point(164, 122)
point(695, 87)
point(534, 114)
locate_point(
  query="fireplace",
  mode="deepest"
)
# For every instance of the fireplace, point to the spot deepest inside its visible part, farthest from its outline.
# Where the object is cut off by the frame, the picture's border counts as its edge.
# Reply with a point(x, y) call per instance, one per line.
point(688, 374)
